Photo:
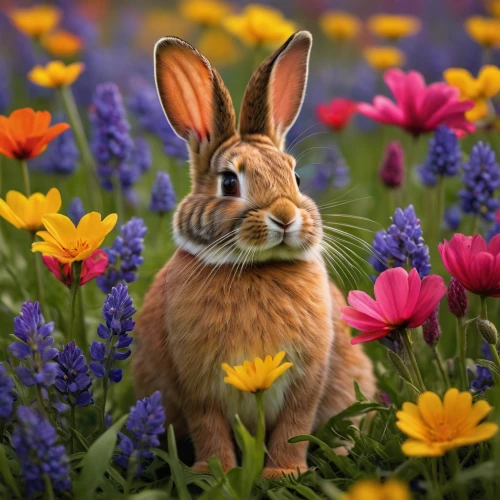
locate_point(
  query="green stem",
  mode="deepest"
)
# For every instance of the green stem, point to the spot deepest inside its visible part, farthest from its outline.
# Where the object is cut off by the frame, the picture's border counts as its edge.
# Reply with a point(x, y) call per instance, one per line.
point(441, 368)
point(406, 339)
point(75, 284)
point(474, 225)
point(440, 204)
point(82, 337)
point(49, 491)
point(493, 347)
point(39, 280)
point(461, 355)
point(435, 480)
point(410, 160)
point(455, 466)
point(83, 145)
point(260, 434)
point(39, 397)
point(73, 426)
point(26, 177)
point(118, 195)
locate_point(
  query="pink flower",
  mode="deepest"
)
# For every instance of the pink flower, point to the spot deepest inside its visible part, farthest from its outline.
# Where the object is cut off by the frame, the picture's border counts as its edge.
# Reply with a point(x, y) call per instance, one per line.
point(419, 108)
point(92, 267)
point(337, 113)
point(473, 263)
point(402, 301)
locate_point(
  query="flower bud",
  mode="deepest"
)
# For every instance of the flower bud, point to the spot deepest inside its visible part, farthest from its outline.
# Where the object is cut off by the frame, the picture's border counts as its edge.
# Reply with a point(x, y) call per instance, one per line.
point(392, 168)
point(457, 298)
point(431, 328)
point(487, 330)
point(400, 366)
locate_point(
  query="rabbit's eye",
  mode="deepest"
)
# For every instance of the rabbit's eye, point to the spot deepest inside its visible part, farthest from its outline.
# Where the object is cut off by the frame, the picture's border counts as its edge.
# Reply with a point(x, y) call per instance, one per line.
point(230, 185)
point(297, 179)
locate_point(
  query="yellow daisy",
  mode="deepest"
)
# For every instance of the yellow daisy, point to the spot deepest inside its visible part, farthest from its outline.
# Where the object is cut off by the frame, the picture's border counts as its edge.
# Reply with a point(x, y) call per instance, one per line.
point(256, 375)
point(436, 426)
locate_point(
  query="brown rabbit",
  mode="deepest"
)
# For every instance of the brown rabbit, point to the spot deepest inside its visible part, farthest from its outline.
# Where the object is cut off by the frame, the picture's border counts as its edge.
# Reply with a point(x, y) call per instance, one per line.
point(248, 278)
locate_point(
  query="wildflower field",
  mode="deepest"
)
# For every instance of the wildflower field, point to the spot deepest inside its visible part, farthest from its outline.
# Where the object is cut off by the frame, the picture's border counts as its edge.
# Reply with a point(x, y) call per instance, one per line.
point(227, 379)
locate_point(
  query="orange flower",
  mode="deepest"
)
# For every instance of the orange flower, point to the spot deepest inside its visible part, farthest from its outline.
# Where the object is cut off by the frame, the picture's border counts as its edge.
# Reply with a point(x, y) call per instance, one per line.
point(62, 43)
point(37, 20)
point(26, 133)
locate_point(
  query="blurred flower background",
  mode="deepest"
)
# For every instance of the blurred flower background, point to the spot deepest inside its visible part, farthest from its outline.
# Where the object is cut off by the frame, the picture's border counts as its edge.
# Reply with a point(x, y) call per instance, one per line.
point(397, 141)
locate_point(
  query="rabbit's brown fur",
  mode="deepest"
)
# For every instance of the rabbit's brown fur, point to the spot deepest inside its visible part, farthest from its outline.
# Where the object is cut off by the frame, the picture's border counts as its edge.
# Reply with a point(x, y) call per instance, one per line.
point(238, 287)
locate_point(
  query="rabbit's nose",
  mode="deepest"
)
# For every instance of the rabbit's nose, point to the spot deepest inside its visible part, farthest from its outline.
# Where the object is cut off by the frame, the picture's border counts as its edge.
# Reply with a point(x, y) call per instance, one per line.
point(279, 223)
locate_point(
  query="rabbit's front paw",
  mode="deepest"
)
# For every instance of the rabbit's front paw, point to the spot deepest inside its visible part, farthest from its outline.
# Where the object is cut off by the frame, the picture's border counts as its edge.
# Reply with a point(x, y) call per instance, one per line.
point(277, 473)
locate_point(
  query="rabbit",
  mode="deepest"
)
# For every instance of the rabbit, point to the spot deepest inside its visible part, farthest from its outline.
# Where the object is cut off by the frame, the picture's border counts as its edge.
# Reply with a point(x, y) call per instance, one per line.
point(248, 278)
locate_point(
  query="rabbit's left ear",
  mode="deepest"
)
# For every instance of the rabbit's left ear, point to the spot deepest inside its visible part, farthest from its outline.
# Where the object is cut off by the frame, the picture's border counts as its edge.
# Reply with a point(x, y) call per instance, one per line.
point(274, 95)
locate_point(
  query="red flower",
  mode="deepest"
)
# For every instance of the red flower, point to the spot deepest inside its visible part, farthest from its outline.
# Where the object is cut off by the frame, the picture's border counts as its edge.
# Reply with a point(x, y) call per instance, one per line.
point(337, 113)
point(473, 263)
point(402, 301)
point(419, 108)
point(93, 266)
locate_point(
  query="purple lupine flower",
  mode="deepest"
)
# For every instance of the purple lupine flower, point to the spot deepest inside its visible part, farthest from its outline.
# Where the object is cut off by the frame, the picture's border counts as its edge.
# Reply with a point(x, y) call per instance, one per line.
point(76, 210)
point(481, 176)
point(6, 393)
point(443, 156)
point(402, 245)
point(333, 170)
point(34, 441)
point(145, 424)
point(457, 298)
point(163, 197)
point(483, 377)
point(111, 141)
point(62, 155)
point(34, 347)
point(494, 229)
point(125, 255)
point(5, 94)
point(431, 328)
point(452, 218)
point(392, 170)
point(144, 105)
point(117, 311)
point(73, 381)
point(141, 155)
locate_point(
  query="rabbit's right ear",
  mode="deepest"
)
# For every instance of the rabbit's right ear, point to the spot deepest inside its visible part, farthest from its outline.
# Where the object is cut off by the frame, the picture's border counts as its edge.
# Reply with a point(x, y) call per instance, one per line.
point(194, 98)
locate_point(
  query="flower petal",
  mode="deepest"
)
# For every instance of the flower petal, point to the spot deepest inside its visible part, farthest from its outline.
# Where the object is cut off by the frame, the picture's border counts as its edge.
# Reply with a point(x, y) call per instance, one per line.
point(391, 293)
point(432, 290)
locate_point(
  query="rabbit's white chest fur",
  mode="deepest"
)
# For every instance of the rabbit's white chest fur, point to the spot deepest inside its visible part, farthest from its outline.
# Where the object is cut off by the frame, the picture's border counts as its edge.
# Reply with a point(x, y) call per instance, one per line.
point(266, 309)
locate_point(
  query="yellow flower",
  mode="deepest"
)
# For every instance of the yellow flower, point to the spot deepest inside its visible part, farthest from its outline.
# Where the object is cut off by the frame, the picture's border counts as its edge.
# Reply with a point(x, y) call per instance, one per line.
point(479, 90)
point(206, 12)
point(62, 43)
point(393, 26)
point(436, 426)
point(26, 213)
point(256, 375)
point(494, 7)
point(369, 489)
point(382, 58)
point(339, 25)
point(218, 47)
point(37, 20)
point(56, 74)
point(484, 31)
point(260, 25)
point(68, 243)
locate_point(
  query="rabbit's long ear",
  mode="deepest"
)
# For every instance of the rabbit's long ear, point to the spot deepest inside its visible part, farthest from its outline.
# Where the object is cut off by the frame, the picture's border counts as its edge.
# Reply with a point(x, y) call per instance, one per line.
point(194, 98)
point(276, 90)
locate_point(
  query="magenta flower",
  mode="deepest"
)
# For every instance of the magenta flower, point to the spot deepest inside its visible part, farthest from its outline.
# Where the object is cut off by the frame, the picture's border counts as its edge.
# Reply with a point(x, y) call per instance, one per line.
point(419, 108)
point(475, 264)
point(402, 301)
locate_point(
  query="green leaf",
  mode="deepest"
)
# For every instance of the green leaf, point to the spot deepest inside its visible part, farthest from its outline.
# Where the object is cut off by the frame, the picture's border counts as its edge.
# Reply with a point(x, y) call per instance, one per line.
point(358, 393)
point(176, 467)
point(150, 495)
point(96, 461)
point(6, 473)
